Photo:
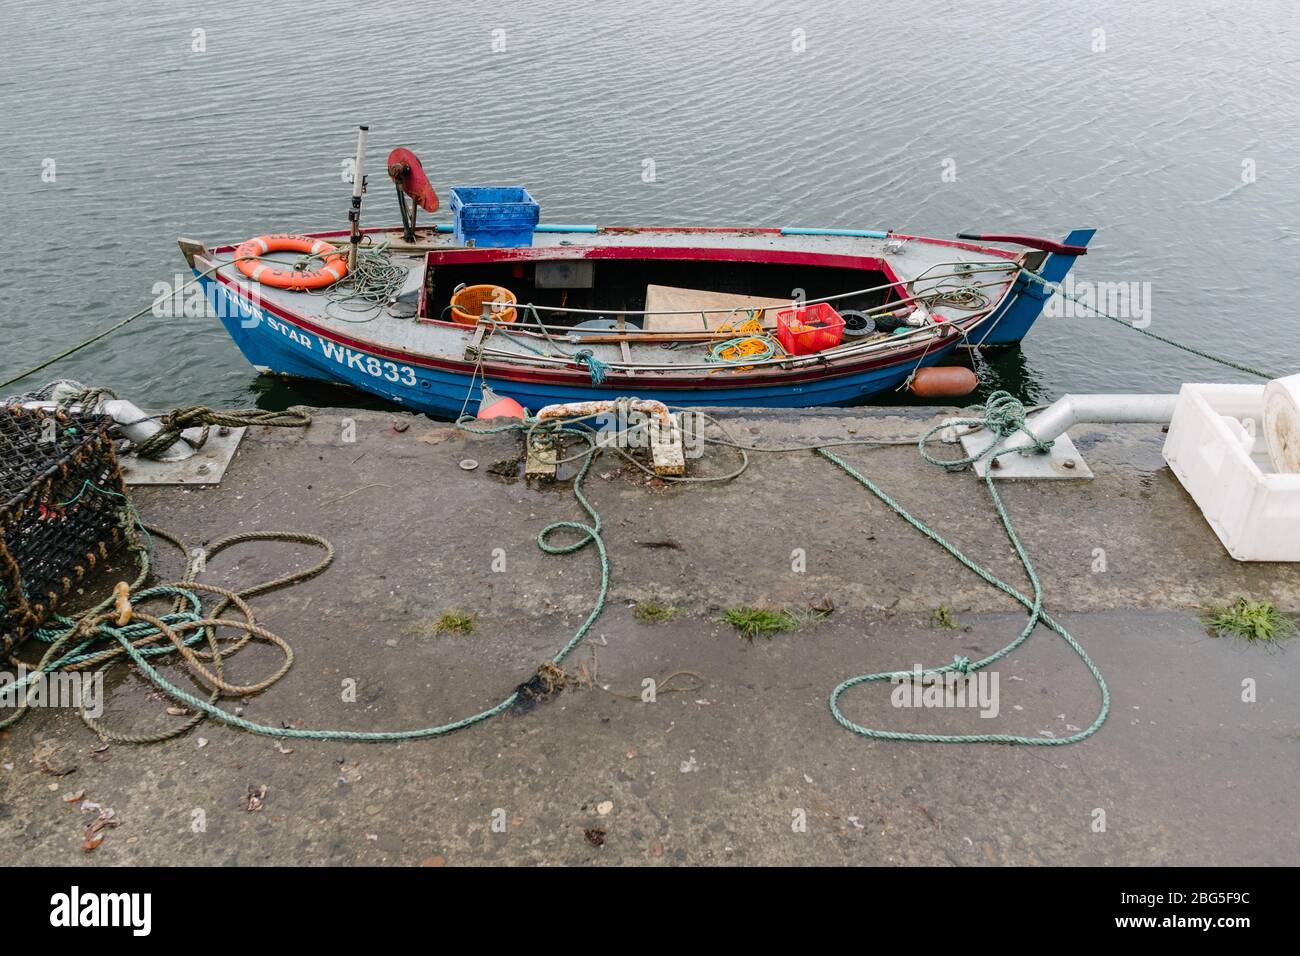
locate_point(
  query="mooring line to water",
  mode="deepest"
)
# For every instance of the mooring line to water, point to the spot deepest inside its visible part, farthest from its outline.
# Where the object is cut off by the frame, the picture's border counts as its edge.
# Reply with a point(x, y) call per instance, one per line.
point(1210, 356)
point(373, 281)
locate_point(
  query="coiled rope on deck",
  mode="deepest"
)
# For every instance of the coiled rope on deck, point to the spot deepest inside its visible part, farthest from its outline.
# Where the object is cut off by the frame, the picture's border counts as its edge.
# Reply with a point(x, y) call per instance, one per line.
point(750, 342)
point(371, 284)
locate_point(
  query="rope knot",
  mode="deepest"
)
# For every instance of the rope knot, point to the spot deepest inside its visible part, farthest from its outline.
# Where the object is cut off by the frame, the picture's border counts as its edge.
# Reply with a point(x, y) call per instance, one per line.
point(1004, 415)
point(595, 366)
point(962, 665)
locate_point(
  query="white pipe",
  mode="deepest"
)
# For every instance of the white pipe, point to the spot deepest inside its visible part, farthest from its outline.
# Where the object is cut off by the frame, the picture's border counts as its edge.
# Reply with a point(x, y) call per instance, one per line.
point(134, 424)
point(130, 422)
point(1066, 412)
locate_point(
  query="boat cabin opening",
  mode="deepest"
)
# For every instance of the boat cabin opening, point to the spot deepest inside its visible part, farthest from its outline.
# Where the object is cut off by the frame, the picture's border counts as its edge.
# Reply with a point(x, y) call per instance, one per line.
point(620, 287)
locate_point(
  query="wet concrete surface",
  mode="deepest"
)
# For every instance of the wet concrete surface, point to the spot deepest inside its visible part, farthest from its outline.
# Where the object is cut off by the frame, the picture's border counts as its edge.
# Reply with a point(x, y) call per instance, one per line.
point(741, 764)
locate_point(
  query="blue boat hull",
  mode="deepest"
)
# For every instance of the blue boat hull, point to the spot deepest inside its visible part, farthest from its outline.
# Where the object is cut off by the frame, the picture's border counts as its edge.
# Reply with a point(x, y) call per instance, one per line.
point(274, 344)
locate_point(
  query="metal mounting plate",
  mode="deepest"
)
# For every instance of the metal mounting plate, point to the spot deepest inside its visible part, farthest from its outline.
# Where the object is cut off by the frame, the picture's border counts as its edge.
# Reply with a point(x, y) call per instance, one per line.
point(1062, 461)
point(205, 467)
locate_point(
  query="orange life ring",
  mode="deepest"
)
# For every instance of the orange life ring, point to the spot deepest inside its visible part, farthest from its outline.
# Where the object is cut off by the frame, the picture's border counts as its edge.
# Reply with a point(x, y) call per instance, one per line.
point(333, 268)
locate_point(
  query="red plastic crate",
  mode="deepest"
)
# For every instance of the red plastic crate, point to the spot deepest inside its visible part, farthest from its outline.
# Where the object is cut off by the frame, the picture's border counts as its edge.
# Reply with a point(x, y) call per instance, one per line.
point(812, 328)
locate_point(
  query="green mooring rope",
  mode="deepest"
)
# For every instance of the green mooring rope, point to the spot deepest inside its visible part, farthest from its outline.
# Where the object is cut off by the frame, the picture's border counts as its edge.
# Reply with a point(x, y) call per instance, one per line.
point(1003, 415)
point(1210, 356)
point(588, 534)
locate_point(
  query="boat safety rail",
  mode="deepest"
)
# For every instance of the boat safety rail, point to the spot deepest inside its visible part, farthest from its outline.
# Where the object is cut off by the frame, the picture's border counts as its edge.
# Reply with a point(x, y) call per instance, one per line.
point(962, 269)
point(954, 297)
point(994, 266)
point(927, 333)
point(511, 329)
point(934, 293)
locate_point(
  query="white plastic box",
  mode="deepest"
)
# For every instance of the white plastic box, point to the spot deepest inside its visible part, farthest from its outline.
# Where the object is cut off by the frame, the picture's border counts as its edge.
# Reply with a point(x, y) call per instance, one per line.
point(1225, 467)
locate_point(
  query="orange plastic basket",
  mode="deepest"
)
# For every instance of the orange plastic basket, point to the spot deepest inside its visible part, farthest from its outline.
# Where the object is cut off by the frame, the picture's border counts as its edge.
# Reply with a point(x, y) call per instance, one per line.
point(467, 304)
point(813, 328)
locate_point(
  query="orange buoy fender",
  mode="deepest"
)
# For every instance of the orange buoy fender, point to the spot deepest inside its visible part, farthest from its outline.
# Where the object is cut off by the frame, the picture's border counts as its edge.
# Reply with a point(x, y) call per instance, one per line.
point(947, 381)
point(334, 262)
point(498, 406)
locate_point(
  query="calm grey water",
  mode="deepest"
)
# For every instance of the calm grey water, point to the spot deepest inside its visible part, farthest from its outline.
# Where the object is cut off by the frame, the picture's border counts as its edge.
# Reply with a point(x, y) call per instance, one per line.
point(1148, 121)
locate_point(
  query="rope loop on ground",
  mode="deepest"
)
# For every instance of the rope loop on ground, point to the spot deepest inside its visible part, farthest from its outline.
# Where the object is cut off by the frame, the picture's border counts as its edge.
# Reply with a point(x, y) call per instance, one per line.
point(1004, 415)
point(79, 643)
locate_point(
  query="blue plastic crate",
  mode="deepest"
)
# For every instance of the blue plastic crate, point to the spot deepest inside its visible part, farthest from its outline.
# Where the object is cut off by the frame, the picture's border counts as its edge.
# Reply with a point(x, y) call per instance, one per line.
point(495, 217)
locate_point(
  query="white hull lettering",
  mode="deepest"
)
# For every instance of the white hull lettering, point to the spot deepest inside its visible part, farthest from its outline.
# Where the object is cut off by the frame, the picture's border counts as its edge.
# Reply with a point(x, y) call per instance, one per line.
point(369, 364)
point(288, 331)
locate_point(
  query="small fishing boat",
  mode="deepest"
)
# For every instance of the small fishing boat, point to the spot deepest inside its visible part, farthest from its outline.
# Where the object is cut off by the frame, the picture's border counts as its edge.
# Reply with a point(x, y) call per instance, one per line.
point(426, 315)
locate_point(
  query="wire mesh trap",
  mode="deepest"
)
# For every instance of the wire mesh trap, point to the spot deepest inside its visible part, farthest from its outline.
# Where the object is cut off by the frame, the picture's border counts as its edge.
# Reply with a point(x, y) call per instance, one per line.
point(63, 510)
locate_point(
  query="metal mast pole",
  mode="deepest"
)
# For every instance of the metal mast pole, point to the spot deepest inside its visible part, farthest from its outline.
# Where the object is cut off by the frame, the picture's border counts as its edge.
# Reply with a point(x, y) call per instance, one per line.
point(358, 188)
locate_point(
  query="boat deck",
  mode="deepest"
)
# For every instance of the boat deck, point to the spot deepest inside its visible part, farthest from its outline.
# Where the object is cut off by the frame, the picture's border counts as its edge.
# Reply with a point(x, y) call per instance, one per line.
point(396, 327)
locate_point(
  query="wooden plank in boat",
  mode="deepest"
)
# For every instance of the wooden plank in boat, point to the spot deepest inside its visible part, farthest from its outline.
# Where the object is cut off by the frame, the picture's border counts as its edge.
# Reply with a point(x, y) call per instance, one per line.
point(624, 348)
point(472, 350)
point(716, 306)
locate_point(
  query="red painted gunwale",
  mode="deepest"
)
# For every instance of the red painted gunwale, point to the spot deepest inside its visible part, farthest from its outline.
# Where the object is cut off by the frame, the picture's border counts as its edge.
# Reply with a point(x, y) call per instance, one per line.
point(700, 230)
point(579, 376)
point(438, 257)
